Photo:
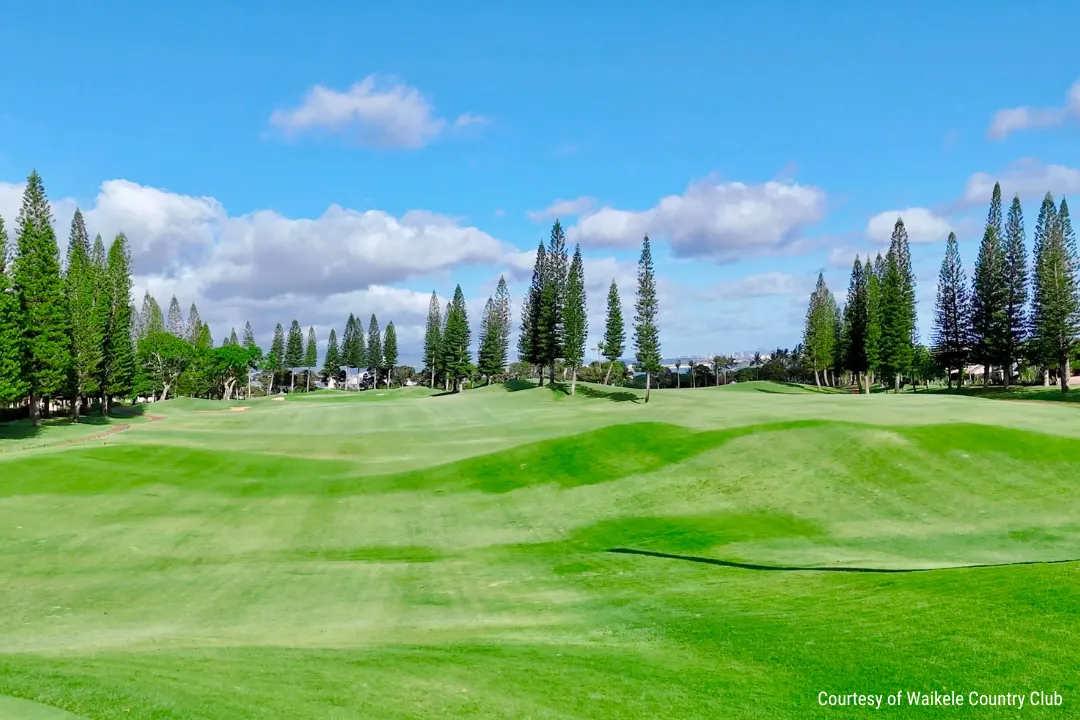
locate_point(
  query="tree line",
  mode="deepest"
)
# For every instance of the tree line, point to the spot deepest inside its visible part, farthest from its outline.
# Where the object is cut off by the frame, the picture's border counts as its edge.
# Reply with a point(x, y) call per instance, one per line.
point(1005, 318)
point(554, 325)
point(1010, 316)
point(65, 330)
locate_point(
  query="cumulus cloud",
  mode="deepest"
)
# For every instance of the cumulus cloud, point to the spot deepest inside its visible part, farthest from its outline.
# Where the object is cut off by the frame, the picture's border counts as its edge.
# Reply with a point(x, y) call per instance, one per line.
point(1026, 177)
point(723, 222)
point(1010, 120)
point(563, 208)
point(923, 226)
point(375, 112)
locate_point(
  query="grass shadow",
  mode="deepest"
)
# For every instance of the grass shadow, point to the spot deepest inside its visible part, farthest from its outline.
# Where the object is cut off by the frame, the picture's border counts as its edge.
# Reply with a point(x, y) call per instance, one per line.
point(516, 385)
point(612, 395)
point(797, 568)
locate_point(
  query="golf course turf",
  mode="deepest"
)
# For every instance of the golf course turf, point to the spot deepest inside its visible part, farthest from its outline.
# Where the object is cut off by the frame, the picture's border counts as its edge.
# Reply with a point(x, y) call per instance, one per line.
point(513, 552)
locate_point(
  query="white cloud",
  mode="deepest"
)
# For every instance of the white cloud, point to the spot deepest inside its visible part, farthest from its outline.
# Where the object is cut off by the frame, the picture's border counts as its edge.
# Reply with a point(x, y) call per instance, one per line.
point(1012, 120)
point(1026, 177)
point(470, 120)
point(754, 286)
point(721, 221)
point(268, 268)
point(377, 112)
point(923, 226)
point(563, 208)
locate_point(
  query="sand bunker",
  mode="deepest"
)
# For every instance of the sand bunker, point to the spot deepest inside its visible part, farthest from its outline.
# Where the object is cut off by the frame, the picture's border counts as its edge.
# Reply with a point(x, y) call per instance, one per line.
point(242, 408)
point(279, 399)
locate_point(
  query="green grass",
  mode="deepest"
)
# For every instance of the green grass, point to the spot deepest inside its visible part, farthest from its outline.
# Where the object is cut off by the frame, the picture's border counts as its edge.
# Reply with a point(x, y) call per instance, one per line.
point(360, 555)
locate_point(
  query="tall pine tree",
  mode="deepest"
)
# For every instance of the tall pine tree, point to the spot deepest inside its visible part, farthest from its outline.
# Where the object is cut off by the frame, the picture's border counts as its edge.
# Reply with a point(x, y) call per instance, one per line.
point(294, 351)
point(233, 340)
point(311, 355)
point(275, 361)
point(988, 296)
point(390, 351)
point(873, 273)
point(897, 308)
point(854, 326)
point(952, 315)
point(575, 318)
point(1015, 278)
point(177, 325)
point(819, 333)
point(40, 289)
point(118, 368)
point(432, 337)
point(487, 356)
point(1055, 314)
point(12, 386)
point(193, 325)
point(332, 361)
point(503, 318)
point(551, 325)
point(530, 349)
point(82, 291)
point(249, 335)
point(614, 343)
point(647, 310)
point(442, 349)
point(374, 348)
point(456, 339)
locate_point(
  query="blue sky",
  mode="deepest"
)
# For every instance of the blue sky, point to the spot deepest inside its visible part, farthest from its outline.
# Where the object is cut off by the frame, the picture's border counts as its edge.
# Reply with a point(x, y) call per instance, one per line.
point(755, 144)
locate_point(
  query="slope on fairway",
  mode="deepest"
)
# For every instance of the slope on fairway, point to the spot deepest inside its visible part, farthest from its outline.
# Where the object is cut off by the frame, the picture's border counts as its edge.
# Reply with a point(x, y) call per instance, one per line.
point(447, 556)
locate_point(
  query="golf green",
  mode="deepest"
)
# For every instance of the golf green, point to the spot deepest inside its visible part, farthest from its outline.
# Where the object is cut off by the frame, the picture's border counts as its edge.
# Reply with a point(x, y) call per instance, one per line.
point(510, 552)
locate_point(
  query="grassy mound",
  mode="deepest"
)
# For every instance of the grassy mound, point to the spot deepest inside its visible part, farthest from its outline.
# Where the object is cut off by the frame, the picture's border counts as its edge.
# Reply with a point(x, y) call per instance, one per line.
point(449, 556)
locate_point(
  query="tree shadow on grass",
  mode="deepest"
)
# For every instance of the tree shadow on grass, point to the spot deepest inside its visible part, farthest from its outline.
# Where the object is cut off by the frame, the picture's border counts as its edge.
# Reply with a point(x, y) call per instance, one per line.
point(18, 430)
point(516, 385)
point(796, 568)
point(612, 395)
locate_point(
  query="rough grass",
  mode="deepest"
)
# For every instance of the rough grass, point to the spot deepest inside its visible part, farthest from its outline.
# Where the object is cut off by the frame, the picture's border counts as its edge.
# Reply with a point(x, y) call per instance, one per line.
point(426, 557)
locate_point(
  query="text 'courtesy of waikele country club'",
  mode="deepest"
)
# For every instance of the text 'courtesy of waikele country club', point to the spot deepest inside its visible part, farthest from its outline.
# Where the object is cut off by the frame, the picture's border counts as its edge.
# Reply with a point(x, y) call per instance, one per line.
point(943, 699)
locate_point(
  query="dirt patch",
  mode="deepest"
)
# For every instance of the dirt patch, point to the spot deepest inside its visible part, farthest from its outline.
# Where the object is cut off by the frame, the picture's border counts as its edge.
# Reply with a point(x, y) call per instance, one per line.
point(105, 433)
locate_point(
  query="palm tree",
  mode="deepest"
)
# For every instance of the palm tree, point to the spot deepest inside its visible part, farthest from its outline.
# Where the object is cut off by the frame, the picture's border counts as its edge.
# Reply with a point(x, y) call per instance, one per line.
point(756, 362)
point(678, 374)
point(693, 382)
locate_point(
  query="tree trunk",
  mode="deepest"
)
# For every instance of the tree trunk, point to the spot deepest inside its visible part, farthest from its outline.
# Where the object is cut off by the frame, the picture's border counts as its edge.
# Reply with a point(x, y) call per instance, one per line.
point(693, 381)
point(1046, 376)
point(1006, 371)
point(817, 378)
point(1063, 373)
point(607, 378)
point(164, 391)
point(551, 376)
point(716, 376)
point(307, 377)
point(75, 403)
point(896, 384)
point(292, 381)
point(432, 378)
point(648, 378)
point(678, 378)
point(986, 375)
point(541, 376)
point(35, 410)
point(573, 380)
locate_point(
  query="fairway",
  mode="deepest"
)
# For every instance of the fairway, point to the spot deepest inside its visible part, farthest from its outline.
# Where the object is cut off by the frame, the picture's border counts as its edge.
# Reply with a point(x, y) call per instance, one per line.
point(512, 552)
